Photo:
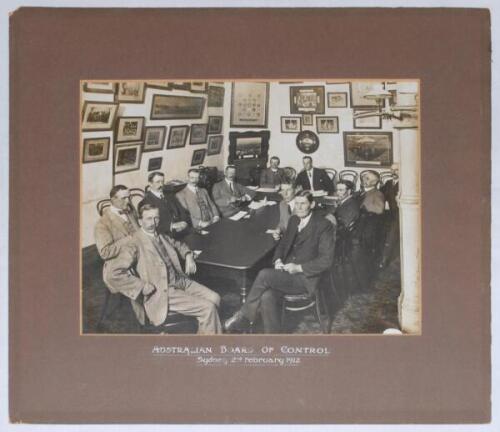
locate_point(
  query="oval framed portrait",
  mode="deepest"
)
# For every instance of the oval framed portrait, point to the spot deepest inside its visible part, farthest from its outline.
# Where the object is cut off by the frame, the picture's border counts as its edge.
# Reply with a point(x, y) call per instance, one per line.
point(307, 142)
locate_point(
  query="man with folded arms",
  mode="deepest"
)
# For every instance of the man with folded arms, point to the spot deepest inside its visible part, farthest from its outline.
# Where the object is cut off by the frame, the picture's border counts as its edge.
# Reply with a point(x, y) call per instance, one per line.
point(304, 253)
point(197, 202)
point(149, 272)
point(229, 195)
point(173, 217)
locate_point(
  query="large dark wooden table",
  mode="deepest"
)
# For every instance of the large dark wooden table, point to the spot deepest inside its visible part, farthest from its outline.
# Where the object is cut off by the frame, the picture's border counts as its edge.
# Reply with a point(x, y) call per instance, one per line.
point(236, 250)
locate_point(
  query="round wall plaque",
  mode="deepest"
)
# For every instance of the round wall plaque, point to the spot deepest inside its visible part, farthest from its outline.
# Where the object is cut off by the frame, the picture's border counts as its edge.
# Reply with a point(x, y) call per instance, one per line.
point(307, 141)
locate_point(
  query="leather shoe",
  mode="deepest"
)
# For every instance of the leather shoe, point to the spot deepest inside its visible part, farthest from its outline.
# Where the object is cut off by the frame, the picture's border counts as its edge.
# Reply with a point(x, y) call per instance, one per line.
point(238, 323)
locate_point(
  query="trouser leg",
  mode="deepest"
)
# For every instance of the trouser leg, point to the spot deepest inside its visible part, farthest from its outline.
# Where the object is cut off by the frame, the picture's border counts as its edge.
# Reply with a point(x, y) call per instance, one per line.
point(204, 310)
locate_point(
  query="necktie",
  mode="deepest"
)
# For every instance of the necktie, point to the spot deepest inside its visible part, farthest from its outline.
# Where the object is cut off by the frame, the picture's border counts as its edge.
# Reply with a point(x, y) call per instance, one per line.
point(231, 187)
point(289, 209)
point(206, 214)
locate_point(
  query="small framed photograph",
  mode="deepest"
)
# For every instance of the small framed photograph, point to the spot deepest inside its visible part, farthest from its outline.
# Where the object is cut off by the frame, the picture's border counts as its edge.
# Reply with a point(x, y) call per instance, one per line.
point(337, 99)
point(307, 100)
point(177, 136)
point(199, 86)
point(215, 96)
point(95, 149)
point(327, 124)
point(307, 119)
point(172, 107)
point(127, 157)
point(369, 122)
point(130, 92)
point(154, 138)
point(129, 129)
point(358, 92)
point(180, 85)
point(198, 157)
point(214, 124)
point(368, 149)
point(154, 164)
point(99, 116)
point(99, 87)
point(160, 85)
point(214, 145)
point(199, 133)
point(291, 124)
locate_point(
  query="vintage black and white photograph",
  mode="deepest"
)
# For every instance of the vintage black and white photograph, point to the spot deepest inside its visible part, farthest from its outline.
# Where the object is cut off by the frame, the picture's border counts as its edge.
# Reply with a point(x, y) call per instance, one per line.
point(291, 124)
point(307, 100)
point(327, 124)
point(284, 230)
point(177, 136)
point(130, 91)
point(98, 116)
point(215, 145)
point(129, 129)
point(337, 99)
point(170, 107)
point(154, 138)
point(214, 124)
point(199, 133)
point(95, 149)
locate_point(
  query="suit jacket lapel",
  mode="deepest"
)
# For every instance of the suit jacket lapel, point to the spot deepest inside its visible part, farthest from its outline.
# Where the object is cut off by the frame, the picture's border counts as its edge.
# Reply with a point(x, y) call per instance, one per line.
point(118, 222)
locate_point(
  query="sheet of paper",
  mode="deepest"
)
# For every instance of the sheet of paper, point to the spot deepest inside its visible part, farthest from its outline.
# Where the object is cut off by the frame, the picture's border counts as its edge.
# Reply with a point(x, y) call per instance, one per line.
point(238, 215)
point(319, 193)
point(267, 189)
point(253, 187)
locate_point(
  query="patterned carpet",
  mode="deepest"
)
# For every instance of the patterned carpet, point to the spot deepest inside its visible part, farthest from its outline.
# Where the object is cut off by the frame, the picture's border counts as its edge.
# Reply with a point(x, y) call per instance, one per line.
point(367, 312)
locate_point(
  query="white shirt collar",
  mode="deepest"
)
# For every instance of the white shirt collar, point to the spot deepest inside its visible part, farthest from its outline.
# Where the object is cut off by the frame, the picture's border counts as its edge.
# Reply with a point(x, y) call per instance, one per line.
point(157, 194)
point(229, 181)
point(148, 234)
point(118, 212)
point(292, 204)
point(304, 221)
point(192, 188)
point(369, 189)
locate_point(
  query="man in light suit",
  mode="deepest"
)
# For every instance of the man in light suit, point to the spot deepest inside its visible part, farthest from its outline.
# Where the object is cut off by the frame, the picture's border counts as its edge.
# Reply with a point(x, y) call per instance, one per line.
point(148, 271)
point(304, 253)
point(197, 202)
point(272, 176)
point(173, 217)
point(229, 195)
point(115, 228)
point(313, 179)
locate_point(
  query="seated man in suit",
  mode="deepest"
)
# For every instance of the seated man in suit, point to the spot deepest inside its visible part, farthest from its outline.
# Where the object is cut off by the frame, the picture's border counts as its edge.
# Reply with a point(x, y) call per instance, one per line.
point(272, 176)
point(303, 254)
point(391, 190)
point(114, 229)
point(229, 195)
point(157, 284)
point(173, 217)
point(197, 202)
point(372, 204)
point(313, 179)
point(286, 207)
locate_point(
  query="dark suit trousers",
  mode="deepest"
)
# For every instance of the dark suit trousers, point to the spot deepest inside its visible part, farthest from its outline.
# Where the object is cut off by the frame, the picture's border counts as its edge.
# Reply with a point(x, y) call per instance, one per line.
point(266, 294)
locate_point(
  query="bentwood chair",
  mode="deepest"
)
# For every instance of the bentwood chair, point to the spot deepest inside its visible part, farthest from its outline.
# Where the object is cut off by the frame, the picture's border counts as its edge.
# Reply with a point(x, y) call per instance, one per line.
point(349, 175)
point(332, 173)
point(290, 173)
point(385, 176)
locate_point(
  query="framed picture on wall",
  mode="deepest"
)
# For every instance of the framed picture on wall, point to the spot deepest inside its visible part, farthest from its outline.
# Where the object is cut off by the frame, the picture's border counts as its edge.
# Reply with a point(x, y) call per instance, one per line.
point(327, 124)
point(95, 149)
point(99, 116)
point(160, 85)
point(129, 129)
point(358, 92)
point(291, 124)
point(130, 92)
point(214, 124)
point(99, 87)
point(337, 99)
point(215, 96)
point(249, 104)
point(307, 119)
point(307, 100)
point(199, 133)
point(177, 136)
point(127, 157)
point(368, 149)
point(154, 138)
point(214, 145)
point(154, 164)
point(369, 122)
point(170, 107)
point(199, 86)
point(198, 157)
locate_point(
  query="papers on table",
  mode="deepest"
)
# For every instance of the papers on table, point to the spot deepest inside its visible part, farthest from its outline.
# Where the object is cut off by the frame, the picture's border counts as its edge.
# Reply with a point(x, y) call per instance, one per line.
point(254, 205)
point(262, 189)
point(253, 187)
point(238, 216)
point(319, 193)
